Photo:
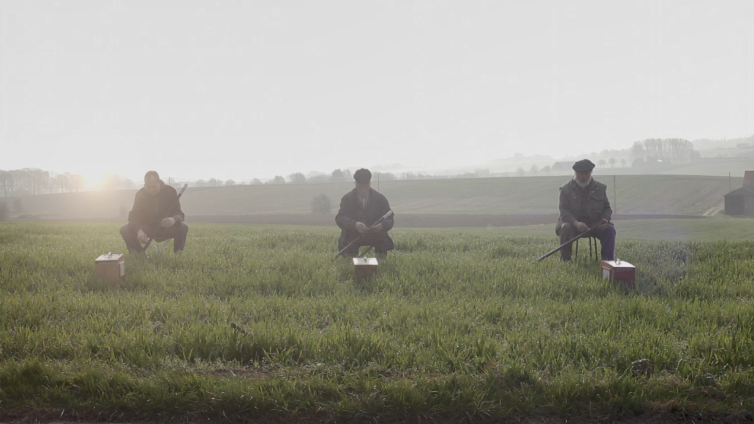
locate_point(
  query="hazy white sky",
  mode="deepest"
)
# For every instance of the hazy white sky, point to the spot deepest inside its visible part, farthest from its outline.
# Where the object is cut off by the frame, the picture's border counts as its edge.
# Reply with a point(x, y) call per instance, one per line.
point(243, 89)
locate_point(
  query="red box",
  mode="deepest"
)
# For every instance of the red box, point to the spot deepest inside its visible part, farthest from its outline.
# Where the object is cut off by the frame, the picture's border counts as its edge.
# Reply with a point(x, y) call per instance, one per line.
point(619, 271)
point(111, 267)
point(364, 267)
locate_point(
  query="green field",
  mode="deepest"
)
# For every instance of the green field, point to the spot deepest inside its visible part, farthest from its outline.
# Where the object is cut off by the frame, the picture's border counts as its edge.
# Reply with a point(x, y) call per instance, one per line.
point(457, 326)
point(719, 228)
point(652, 194)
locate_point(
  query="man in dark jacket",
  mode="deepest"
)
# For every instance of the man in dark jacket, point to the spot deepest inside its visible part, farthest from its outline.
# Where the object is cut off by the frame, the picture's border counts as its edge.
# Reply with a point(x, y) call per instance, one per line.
point(156, 214)
point(583, 205)
point(359, 209)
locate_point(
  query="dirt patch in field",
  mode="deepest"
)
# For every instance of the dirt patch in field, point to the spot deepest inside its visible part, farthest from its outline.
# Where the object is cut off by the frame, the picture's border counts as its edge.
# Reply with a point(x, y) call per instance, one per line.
point(416, 220)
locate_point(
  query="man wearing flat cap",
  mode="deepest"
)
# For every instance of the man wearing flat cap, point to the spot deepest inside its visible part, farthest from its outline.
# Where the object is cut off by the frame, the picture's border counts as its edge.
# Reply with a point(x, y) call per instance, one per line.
point(360, 209)
point(584, 205)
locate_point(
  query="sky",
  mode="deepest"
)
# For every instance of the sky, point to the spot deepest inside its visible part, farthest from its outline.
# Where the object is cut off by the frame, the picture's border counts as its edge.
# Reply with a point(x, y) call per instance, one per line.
point(245, 89)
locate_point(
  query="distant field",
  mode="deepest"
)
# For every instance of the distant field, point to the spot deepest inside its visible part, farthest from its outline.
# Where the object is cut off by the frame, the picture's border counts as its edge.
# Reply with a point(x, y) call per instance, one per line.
point(259, 324)
point(736, 169)
point(658, 194)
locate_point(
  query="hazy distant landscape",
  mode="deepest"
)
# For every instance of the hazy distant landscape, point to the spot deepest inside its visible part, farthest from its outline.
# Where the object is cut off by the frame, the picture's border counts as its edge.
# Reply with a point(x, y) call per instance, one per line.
point(661, 194)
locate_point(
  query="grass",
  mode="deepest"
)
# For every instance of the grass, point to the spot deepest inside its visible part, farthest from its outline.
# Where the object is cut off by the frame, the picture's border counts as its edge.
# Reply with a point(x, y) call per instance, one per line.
point(653, 194)
point(719, 228)
point(456, 326)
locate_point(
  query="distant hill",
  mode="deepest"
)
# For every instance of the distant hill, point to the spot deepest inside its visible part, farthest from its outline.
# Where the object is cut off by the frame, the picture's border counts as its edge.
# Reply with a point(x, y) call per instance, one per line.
point(637, 194)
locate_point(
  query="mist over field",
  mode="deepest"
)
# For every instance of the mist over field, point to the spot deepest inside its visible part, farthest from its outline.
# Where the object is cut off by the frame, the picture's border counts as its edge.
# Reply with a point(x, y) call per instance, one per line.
point(555, 227)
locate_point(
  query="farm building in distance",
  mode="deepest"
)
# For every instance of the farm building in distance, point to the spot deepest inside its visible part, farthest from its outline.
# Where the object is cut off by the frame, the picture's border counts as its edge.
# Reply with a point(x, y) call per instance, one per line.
point(741, 200)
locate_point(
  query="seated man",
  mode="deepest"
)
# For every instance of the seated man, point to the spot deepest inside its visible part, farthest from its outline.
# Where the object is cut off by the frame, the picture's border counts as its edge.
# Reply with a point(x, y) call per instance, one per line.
point(156, 214)
point(359, 209)
point(584, 204)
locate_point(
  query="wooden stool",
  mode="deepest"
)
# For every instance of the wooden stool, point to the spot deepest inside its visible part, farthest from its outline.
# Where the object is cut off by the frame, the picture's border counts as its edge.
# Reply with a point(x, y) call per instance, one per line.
point(596, 251)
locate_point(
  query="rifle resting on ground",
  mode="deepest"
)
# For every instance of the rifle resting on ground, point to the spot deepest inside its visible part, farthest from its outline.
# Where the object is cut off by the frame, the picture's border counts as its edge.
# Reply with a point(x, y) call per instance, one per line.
point(557, 249)
point(384, 217)
point(185, 186)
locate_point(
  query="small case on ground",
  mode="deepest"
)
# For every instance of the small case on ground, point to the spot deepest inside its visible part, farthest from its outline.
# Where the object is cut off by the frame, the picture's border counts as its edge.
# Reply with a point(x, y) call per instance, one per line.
point(619, 271)
point(364, 267)
point(111, 267)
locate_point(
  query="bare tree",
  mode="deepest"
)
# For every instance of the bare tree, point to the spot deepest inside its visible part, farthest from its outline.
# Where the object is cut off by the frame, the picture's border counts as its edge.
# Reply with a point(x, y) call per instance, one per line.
point(612, 162)
point(623, 162)
point(6, 182)
point(521, 172)
point(297, 178)
point(230, 183)
point(63, 182)
point(534, 170)
point(277, 180)
point(337, 175)
point(547, 169)
point(602, 163)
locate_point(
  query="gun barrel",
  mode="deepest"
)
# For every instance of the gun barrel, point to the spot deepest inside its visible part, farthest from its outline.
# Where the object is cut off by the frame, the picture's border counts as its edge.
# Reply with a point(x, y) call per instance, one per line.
point(559, 248)
point(384, 217)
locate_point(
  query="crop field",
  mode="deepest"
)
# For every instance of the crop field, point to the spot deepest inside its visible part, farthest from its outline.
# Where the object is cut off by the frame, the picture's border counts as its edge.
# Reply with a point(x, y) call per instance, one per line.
point(258, 323)
point(719, 228)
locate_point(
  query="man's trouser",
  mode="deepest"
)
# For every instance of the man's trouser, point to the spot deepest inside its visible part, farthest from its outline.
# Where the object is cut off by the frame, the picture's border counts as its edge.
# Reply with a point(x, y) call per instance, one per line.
point(605, 236)
point(380, 241)
point(177, 232)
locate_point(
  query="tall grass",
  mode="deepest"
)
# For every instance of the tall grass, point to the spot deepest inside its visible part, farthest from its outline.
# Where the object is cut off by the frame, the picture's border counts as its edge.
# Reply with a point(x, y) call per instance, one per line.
point(259, 322)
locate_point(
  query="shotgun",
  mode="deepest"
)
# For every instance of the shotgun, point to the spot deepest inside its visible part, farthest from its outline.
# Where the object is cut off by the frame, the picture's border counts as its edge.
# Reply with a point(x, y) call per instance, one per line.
point(384, 217)
point(557, 249)
point(185, 186)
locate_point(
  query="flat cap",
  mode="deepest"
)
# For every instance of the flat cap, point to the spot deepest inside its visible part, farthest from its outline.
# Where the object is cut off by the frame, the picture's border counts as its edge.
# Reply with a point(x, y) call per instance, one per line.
point(584, 165)
point(362, 176)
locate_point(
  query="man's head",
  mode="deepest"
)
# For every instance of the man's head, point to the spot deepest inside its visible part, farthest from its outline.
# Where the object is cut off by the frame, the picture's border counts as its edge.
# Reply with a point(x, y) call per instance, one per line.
point(152, 183)
point(363, 180)
point(583, 170)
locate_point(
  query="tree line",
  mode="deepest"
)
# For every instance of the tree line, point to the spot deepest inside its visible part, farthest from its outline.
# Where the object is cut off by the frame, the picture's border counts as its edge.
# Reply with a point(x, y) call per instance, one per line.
point(672, 150)
point(31, 181)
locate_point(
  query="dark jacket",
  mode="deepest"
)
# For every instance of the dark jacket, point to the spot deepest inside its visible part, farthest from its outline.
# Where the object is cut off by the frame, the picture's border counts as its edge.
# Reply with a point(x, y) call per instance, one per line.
point(148, 211)
point(588, 205)
point(351, 211)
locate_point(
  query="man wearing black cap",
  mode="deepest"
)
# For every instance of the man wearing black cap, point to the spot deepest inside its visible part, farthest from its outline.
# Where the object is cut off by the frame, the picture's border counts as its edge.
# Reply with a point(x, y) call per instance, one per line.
point(584, 205)
point(359, 209)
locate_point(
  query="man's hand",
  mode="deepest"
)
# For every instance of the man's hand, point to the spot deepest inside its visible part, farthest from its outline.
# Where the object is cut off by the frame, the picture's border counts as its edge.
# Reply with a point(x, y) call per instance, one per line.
point(602, 225)
point(581, 226)
point(142, 236)
point(377, 228)
point(167, 222)
point(362, 228)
